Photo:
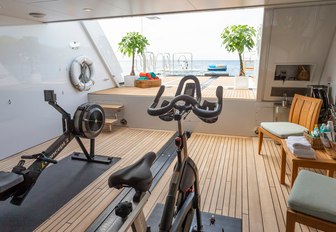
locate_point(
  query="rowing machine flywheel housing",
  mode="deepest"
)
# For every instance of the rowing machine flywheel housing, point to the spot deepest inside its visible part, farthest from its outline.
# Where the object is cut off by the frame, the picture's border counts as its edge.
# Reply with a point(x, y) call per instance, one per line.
point(89, 120)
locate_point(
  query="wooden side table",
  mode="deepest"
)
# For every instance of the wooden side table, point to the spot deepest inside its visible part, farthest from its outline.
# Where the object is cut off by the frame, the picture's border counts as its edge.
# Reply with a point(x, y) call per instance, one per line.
point(322, 161)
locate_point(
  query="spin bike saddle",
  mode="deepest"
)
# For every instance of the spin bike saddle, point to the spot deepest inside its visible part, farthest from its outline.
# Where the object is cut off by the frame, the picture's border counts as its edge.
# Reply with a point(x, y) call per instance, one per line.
point(137, 175)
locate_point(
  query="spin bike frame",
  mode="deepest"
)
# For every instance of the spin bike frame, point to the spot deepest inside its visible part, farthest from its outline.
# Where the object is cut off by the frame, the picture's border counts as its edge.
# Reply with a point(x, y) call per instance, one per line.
point(183, 197)
point(183, 187)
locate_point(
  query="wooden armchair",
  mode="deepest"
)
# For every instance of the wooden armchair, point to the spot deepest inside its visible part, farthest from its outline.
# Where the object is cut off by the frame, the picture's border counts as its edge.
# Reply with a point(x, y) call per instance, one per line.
point(303, 116)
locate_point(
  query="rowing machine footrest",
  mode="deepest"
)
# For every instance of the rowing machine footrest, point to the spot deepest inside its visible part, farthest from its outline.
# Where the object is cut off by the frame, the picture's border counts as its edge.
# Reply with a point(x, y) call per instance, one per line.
point(9, 180)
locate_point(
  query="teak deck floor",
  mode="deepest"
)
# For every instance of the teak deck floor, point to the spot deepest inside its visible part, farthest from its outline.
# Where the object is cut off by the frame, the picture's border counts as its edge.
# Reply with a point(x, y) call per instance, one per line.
point(171, 84)
point(234, 179)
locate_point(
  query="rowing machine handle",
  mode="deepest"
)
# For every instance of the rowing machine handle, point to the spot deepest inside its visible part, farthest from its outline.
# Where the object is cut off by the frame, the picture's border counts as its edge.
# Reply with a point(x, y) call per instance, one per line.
point(41, 157)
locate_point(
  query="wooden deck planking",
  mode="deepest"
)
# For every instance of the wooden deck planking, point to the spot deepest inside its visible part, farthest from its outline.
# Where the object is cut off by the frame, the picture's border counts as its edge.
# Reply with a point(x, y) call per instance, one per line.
point(279, 193)
point(266, 200)
point(216, 202)
point(234, 185)
point(82, 210)
point(207, 173)
point(133, 154)
point(235, 180)
point(226, 182)
point(228, 152)
point(278, 199)
point(172, 82)
point(225, 151)
point(245, 199)
point(209, 92)
point(211, 199)
point(255, 216)
point(224, 81)
point(258, 202)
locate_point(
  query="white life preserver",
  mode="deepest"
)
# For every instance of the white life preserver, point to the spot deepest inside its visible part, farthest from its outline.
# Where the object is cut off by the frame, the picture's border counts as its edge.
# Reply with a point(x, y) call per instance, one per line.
point(81, 73)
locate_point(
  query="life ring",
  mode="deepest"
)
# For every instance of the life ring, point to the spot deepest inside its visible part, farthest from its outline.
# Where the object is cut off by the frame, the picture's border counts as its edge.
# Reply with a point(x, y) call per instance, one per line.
point(81, 73)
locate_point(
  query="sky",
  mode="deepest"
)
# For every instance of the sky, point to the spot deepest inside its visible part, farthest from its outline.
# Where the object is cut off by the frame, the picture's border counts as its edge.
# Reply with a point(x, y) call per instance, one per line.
point(197, 33)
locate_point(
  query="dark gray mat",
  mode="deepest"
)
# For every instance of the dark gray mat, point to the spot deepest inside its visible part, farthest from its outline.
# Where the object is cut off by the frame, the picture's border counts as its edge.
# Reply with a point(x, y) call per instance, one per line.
point(228, 223)
point(56, 186)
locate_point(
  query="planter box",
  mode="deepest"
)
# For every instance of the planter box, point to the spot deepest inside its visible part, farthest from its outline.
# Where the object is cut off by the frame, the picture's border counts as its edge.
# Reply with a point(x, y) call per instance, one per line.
point(148, 83)
point(241, 82)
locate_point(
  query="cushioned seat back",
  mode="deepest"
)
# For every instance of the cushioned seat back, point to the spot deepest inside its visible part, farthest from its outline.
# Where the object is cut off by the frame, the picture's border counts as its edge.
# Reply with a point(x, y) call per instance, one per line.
point(305, 111)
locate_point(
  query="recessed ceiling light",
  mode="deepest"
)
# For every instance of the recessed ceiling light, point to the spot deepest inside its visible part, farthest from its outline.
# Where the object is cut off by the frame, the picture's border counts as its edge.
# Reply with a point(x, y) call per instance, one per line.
point(153, 17)
point(37, 15)
point(87, 9)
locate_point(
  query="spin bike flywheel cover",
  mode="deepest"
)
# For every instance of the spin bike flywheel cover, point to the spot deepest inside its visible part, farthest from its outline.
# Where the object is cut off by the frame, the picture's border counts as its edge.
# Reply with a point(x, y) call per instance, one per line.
point(89, 120)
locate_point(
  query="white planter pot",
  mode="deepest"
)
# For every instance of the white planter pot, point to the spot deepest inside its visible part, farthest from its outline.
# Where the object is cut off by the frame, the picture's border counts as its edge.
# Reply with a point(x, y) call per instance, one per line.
point(129, 80)
point(241, 82)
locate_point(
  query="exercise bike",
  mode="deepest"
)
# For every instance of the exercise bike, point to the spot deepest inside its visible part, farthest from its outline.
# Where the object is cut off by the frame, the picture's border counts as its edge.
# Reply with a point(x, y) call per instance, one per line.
point(87, 123)
point(183, 199)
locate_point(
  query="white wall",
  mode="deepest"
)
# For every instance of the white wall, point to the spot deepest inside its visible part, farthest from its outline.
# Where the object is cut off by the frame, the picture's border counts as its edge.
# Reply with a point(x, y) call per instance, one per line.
point(238, 117)
point(329, 72)
point(34, 58)
point(296, 35)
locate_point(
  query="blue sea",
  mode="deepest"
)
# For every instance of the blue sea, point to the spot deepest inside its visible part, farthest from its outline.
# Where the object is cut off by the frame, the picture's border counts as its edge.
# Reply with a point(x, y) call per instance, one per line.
point(196, 67)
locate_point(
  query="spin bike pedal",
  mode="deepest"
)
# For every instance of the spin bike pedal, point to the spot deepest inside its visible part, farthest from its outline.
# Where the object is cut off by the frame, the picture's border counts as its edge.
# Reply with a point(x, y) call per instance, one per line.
point(212, 220)
point(188, 134)
point(123, 209)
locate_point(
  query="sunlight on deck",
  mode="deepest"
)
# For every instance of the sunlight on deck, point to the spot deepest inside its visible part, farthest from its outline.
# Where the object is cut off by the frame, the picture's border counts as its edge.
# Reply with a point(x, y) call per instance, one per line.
point(172, 82)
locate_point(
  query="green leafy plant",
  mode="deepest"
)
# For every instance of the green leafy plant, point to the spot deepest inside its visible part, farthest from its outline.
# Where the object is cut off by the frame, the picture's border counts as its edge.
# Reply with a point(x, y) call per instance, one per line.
point(133, 43)
point(237, 38)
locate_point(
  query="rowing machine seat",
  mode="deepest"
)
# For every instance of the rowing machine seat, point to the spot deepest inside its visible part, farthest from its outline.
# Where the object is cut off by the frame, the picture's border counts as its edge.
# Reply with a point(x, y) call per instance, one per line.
point(9, 180)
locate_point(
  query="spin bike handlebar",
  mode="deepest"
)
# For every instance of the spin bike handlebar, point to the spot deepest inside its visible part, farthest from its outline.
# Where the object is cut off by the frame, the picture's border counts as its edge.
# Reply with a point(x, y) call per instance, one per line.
point(190, 102)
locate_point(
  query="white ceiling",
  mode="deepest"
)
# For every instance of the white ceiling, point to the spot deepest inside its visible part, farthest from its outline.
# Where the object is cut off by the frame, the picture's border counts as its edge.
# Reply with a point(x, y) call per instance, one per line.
point(16, 12)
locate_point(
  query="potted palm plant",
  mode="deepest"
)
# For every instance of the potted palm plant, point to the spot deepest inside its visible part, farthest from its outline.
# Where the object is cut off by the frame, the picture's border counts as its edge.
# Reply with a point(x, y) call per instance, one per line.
point(131, 44)
point(236, 38)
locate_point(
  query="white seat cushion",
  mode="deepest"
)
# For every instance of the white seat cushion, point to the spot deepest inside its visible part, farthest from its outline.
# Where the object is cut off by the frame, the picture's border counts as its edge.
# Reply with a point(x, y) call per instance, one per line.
point(314, 194)
point(283, 129)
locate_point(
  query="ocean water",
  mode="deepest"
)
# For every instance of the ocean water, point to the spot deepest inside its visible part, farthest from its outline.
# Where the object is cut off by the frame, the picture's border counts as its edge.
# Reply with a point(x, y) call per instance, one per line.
point(185, 66)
